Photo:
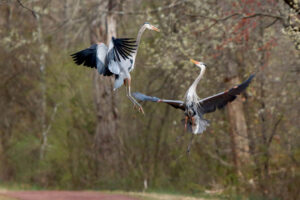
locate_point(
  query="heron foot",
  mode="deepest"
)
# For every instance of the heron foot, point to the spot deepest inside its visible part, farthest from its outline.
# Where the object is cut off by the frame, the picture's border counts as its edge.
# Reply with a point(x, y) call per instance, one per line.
point(138, 107)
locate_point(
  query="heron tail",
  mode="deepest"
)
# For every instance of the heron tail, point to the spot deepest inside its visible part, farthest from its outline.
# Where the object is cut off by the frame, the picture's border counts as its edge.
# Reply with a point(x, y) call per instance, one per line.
point(199, 126)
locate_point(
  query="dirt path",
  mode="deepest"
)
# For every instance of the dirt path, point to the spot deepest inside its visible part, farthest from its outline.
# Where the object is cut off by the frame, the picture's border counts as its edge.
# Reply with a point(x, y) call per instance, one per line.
point(64, 195)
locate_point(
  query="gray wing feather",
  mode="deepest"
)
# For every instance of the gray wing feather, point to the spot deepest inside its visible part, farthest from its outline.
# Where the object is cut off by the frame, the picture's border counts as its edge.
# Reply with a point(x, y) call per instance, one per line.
point(114, 67)
point(101, 58)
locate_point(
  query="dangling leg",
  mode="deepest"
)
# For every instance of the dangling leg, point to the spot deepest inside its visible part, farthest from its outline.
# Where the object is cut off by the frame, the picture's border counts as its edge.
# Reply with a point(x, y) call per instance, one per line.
point(127, 82)
point(185, 123)
point(190, 144)
point(193, 121)
point(185, 129)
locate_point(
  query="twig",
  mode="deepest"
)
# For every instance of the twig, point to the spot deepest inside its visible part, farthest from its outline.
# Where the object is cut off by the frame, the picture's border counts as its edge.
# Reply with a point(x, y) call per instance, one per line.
point(274, 129)
point(32, 11)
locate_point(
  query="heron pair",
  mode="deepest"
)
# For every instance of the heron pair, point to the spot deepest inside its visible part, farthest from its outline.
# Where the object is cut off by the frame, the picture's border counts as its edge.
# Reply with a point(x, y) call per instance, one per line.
point(119, 60)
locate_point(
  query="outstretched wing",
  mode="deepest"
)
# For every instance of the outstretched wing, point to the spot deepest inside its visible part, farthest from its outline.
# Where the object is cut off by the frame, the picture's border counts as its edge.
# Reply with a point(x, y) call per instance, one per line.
point(94, 57)
point(173, 103)
point(210, 104)
point(87, 57)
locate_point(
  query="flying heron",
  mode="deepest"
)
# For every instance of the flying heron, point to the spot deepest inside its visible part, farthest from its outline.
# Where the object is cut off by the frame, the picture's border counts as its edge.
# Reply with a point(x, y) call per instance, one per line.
point(118, 59)
point(194, 108)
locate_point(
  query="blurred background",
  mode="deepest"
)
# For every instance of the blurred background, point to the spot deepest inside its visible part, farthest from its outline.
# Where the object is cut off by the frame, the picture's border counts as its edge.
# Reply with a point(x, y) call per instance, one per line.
point(63, 127)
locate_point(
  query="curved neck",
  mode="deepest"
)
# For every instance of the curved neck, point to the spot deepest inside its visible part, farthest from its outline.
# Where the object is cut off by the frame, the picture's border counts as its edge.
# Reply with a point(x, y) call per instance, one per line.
point(138, 39)
point(195, 83)
point(191, 93)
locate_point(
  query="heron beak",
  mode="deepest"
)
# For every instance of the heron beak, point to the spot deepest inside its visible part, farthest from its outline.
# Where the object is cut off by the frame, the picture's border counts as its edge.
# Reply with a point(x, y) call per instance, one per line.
point(154, 28)
point(194, 61)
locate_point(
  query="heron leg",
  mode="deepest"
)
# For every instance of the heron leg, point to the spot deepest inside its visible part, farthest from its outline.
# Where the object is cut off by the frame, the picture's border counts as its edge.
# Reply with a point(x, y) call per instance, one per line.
point(193, 121)
point(190, 144)
point(185, 123)
point(127, 83)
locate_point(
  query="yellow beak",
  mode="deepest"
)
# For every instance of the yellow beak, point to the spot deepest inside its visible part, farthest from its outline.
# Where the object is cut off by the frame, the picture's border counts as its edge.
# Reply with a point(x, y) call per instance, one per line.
point(155, 29)
point(194, 61)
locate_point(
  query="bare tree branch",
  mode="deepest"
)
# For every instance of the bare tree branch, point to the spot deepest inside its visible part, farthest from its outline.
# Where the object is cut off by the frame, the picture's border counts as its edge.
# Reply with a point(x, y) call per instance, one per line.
point(274, 129)
point(32, 11)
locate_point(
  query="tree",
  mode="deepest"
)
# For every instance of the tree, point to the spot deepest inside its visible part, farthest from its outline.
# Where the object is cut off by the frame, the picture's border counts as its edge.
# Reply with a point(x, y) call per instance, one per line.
point(105, 99)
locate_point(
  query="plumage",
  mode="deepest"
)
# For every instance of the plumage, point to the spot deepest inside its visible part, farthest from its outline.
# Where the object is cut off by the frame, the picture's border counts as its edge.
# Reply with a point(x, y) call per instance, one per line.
point(193, 108)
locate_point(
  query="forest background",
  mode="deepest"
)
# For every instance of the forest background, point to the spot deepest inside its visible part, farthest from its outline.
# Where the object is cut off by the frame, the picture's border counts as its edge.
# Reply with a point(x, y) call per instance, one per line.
point(63, 127)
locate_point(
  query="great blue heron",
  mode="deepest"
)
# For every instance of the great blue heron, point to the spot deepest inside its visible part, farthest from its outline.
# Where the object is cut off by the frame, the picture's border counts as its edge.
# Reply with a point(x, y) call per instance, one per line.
point(118, 59)
point(194, 108)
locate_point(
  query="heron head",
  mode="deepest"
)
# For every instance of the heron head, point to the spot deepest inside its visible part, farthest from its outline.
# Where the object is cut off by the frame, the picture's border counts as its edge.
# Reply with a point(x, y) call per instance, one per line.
point(151, 27)
point(199, 64)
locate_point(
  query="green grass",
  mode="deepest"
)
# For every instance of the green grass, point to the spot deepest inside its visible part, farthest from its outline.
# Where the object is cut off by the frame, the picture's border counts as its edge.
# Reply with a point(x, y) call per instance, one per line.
point(17, 186)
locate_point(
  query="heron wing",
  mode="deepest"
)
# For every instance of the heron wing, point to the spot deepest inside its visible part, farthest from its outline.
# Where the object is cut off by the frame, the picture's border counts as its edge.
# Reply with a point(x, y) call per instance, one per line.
point(218, 101)
point(174, 103)
point(94, 57)
point(87, 57)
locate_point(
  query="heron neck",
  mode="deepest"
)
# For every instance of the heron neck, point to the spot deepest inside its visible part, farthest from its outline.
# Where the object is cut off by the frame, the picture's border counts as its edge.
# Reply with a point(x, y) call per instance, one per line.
point(139, 36)
point(195, 83)
point(191, 94)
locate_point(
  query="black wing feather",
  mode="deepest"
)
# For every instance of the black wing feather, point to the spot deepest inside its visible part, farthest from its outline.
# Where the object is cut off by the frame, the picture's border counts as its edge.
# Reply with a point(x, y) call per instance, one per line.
point(218, 101)
point(87, 57)
point(173, 103)
point(123, 47)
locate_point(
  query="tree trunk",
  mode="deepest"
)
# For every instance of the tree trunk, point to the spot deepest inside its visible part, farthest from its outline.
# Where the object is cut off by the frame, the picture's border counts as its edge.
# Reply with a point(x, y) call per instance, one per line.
point(238, 126)
point(105, 100)
point(42, 62)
